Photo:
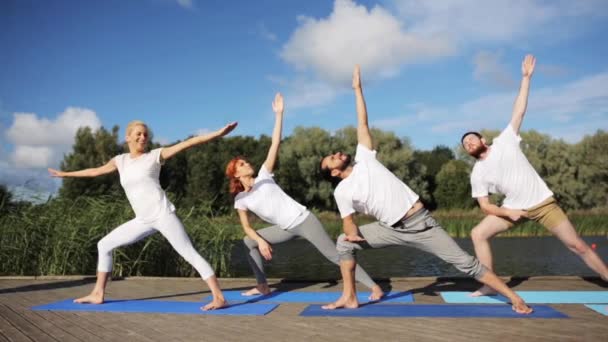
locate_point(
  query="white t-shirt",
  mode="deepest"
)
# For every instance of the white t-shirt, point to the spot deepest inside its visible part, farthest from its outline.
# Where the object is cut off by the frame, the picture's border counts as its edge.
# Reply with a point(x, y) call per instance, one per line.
point(139, 178)
point(506, 170)
point(373, 190)
point(267, 200)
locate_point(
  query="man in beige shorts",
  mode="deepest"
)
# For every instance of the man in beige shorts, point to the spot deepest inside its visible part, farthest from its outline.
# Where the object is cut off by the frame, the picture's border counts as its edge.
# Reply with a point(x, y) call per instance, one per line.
point(503, 168)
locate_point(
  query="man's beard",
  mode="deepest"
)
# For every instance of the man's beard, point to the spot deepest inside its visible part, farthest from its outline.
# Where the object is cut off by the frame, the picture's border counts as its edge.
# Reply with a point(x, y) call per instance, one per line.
point(346, 163)
point(481, 149)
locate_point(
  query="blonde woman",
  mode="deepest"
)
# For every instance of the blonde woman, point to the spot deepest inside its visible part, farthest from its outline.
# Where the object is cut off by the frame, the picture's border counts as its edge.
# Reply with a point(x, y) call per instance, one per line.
point(139, 171)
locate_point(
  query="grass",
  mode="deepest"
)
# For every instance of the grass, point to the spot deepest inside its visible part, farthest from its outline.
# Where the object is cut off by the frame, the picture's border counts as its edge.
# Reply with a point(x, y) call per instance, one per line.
point(60, 237)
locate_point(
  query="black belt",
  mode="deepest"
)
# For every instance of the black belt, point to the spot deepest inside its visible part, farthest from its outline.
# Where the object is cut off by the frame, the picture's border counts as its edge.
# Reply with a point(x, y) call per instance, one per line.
point(400, 225)
point(404, 219)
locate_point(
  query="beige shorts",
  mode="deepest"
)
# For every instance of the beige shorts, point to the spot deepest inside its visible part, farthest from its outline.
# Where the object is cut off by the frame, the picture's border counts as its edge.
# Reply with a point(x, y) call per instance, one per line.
point(548, 213)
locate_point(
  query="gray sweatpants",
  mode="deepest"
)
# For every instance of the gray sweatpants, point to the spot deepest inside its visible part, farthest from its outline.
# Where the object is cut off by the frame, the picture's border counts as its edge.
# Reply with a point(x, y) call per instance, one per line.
point(310, 229)
point(420, 231)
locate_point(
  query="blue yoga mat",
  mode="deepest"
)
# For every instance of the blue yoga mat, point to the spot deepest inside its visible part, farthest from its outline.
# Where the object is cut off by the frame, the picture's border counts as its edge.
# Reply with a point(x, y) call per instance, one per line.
point(313, 297)
point(433, 310)
point(153, 306)
point(533, 297)
point(601, 308)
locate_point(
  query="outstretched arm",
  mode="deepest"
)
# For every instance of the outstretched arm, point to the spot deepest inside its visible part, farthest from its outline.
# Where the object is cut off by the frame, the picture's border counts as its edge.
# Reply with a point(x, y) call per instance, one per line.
point(263, 245)
point(363, 135)
point(492, 209)
point(168, 152)
point(273, 152)
point(521, 102)
point(109, 167)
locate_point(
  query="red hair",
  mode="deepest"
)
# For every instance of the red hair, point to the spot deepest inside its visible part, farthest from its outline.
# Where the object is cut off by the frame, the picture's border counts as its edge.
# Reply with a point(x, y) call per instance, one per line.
point(235, 185)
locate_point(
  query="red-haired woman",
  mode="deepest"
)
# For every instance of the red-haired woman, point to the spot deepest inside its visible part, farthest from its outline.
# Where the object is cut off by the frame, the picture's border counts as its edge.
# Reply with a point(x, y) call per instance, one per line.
point(264, 197)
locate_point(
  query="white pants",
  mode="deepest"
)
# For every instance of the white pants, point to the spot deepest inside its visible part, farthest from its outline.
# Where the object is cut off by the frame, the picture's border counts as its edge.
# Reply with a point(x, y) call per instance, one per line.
point(172, 229)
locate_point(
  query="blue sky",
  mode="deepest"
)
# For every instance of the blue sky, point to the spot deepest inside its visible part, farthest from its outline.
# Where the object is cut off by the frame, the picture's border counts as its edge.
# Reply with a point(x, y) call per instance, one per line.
point(431, 69)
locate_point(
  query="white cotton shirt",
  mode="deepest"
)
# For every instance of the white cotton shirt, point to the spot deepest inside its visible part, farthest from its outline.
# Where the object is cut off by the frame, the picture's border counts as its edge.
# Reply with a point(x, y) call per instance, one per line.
point(139, 179)
point(267, 200)
point(506, 170)
point(373, 190)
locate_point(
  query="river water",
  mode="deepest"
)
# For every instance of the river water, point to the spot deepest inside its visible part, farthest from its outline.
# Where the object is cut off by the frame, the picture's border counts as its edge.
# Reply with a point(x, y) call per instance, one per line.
point(531, 256)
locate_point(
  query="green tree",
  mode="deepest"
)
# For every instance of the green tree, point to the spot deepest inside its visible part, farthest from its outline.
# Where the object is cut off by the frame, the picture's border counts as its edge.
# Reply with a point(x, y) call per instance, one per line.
point(301, 155)
point(433, 161)
point(91, 149)
point(298, 173)
point(453, 188)
point(592, 170)
point(205, 180)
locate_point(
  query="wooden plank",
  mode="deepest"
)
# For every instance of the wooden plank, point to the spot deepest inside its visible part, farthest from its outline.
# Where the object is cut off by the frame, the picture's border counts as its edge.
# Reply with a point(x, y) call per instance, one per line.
point(25, 326)
point(70, 327)
point(10, 332)
point(284, 322)
point(39, 319)
point(116, 325)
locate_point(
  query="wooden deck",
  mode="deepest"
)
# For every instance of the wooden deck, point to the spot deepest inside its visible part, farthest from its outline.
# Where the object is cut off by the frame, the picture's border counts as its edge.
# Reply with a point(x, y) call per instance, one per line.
point(19, 323)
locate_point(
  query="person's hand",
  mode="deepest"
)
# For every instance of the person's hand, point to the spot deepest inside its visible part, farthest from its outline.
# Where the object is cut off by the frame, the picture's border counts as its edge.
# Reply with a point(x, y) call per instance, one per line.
point(265, 249)
point(277, 104)
point(354, 238)
point(56, 173)
point(527, 66)
point(516, 215)
point(227, 129)
point(357, 77)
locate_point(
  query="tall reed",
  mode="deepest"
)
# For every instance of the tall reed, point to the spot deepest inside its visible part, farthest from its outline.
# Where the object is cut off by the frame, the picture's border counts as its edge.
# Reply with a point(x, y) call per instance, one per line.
point(60, 236)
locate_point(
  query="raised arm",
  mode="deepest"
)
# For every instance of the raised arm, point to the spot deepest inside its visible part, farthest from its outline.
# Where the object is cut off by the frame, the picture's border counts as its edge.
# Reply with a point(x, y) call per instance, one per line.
point(521, 102)
point(109, 167)
point(273, 151)
point(492, 209)
point(168, 152)
point(363, 136)
point(263, 245)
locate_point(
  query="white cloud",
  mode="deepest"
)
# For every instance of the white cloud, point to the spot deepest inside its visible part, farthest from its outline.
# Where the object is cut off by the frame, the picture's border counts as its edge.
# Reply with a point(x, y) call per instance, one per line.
point(567, 111)
point(585, 98)
point(29, 129)
point(574, 132)
point(265, 33)
point(40, 142)
point(552, 70)
point(352, 34)
point(28, 184)
point(278, 80)
point(35, 156)
point(496, 21)
point(188, 4)
point(488, 68)
point(303, 93)
point(385, 39)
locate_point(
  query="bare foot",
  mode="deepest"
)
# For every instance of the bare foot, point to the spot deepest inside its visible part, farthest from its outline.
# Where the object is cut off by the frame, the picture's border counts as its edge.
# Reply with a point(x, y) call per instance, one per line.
point(215, 304)
point(93, 298)
point(343, 302)
point(484, 291)
point(521, 308)
point(377, 293)
point(261, 289)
